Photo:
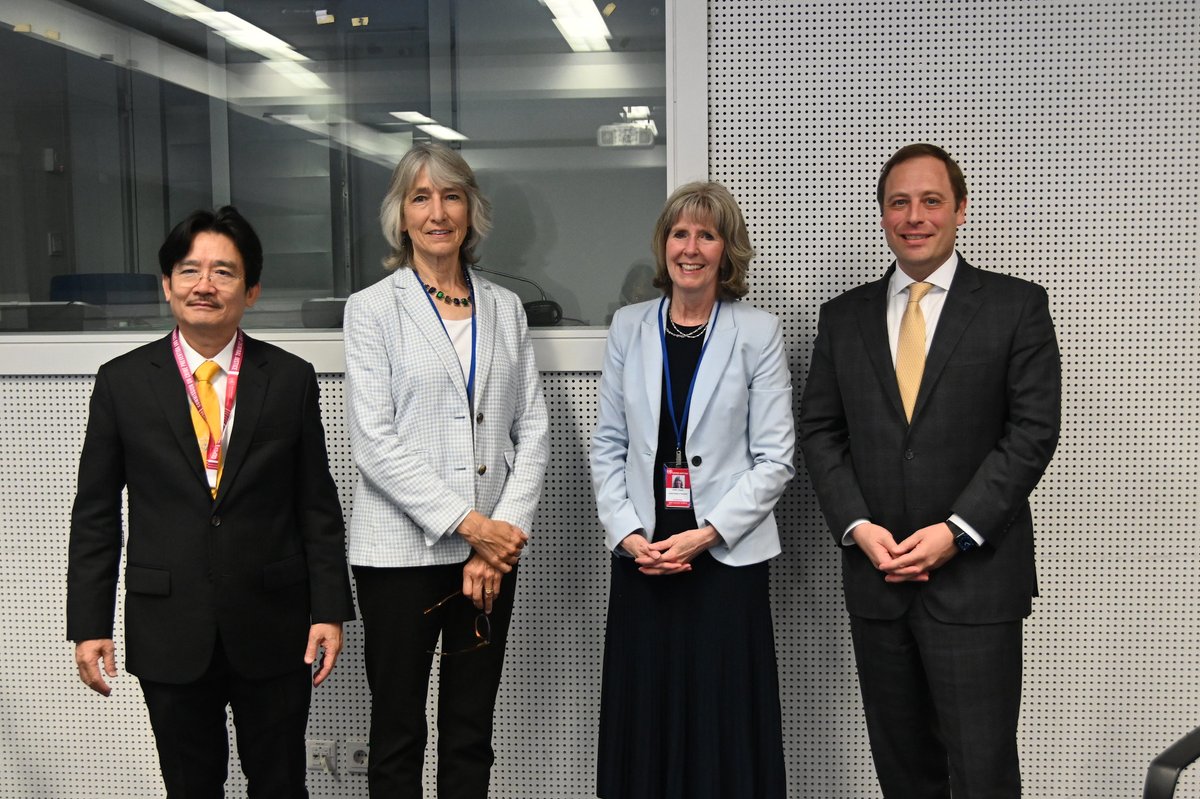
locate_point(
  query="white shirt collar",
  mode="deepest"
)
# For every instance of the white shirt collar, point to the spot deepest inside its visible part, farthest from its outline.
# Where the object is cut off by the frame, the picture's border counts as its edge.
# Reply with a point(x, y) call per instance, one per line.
point(223, 358)
point(942, 277)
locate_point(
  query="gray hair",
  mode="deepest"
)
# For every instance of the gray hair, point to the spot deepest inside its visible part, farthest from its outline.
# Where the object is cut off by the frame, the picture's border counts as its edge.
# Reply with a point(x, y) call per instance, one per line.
point(446, 168)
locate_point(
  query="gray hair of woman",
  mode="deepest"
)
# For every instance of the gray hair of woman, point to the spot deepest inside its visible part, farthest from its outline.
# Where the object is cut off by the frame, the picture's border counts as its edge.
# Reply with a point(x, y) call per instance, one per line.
point(707, 203)
point(446, 168)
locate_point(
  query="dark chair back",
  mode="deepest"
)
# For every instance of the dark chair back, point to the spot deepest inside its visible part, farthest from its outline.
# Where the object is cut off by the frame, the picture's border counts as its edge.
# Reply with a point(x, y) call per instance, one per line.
point(106, 288)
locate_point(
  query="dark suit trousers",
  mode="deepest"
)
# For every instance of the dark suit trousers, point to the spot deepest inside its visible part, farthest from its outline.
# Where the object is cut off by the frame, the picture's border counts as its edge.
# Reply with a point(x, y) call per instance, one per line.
point(399, 639)
point(942, 703)
point(270, 717)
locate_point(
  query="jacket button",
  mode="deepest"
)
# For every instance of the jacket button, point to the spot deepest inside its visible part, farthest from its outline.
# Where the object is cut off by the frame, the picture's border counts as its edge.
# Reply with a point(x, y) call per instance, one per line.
point(696, 460)
point(215, 521)
point(479, 418)
point(908, 455)
point(482, 468)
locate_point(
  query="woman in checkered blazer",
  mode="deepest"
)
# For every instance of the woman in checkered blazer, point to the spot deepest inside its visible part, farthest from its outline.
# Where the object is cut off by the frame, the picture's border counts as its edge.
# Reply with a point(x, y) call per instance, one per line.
point(448, 429)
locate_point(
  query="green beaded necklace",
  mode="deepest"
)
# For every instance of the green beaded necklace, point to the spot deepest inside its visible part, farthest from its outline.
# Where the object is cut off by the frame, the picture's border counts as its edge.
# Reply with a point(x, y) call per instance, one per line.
point(438, 294)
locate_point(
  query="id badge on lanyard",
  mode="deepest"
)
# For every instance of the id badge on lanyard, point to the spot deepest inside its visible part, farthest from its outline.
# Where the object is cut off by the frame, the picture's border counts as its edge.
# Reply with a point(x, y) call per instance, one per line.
point(212, 454)
point(677, 480)
point(677, 487)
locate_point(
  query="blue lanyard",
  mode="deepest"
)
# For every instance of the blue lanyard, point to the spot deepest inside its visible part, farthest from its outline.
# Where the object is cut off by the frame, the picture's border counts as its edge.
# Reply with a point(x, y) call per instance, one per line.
point(680, 424)
point(471, 292)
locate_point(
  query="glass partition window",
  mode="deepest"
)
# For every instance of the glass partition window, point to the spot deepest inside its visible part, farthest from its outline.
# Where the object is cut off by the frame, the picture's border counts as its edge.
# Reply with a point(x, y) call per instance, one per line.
point(119, 117)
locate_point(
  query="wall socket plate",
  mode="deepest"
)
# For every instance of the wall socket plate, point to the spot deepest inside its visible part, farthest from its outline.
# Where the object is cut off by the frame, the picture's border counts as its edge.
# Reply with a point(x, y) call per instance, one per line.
point(321, 755)
point(355, 755)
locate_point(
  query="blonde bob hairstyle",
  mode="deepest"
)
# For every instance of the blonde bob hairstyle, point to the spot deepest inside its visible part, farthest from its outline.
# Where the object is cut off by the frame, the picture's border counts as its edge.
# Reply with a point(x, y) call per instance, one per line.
point(446, 169)
point(707, 203)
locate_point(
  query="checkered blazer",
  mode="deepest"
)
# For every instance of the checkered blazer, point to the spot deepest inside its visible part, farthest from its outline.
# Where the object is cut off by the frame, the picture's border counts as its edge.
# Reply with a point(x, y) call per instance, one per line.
point(424, 457)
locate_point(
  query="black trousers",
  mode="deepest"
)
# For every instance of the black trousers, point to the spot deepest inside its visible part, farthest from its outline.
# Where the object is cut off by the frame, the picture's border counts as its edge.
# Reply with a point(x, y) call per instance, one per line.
point(398, 645)
point(942, 703)
point(270, 717)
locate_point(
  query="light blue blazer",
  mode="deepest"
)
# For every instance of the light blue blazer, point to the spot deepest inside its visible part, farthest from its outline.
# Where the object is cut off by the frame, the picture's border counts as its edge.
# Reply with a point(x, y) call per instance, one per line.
point(740, 437)
point(425, 457)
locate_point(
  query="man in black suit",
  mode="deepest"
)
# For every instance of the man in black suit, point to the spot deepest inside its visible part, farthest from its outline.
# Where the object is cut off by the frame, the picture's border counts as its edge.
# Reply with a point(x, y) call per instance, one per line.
point(235, 574)
point(930, 413)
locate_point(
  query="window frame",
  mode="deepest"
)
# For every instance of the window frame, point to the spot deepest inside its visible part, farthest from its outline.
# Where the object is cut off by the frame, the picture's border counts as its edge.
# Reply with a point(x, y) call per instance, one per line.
point(570, 349)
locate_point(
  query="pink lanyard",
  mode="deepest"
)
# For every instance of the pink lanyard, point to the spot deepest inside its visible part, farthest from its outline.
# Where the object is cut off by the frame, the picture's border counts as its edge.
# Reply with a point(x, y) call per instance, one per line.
point(212, 458)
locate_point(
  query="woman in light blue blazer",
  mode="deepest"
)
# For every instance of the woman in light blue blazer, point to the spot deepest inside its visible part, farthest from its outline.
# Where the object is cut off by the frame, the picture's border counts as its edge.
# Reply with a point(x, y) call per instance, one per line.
point(448, 429)
point(692, 449)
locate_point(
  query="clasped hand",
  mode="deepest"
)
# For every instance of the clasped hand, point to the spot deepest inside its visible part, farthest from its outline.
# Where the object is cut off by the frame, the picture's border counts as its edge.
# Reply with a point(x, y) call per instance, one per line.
point(498, 543)
point(910, 560)
point(672, 555)
point(481, 582)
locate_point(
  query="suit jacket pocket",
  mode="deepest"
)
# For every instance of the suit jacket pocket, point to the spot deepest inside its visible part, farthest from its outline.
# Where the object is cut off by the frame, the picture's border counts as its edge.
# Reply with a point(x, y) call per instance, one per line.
point(147, 580)
point(289, 571)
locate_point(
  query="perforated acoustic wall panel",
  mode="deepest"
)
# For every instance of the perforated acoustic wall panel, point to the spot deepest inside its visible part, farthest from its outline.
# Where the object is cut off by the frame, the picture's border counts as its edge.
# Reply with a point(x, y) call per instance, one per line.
point(1077, 125)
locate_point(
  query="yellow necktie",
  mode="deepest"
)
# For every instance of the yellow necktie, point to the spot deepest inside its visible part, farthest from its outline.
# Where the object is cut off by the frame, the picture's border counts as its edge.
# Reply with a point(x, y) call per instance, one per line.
point(910, 349)
point(206, 430)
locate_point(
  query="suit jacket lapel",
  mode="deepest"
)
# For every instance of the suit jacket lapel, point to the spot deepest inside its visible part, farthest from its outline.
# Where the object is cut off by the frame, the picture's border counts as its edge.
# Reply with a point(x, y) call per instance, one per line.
point(248, 405)
point(415, 304)
point(716, 357)
point(872, 323)
point(960, 306)
point(168, 389)
point(652, 366)
point(485, 344)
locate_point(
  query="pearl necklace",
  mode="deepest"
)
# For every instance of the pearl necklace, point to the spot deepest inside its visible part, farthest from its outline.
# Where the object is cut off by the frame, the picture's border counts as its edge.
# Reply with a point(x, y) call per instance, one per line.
point(675, 330)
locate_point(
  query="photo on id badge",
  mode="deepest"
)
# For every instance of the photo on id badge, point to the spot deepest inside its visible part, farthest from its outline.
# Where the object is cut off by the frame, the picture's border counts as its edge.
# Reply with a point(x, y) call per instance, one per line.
point(678, 487)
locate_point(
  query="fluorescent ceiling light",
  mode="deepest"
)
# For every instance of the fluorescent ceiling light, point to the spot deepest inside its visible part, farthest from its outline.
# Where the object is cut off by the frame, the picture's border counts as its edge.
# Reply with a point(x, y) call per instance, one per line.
point(384, 149)
point(631, 112)
point(579, 37)
point(247, 36)
point(442, 132)
point(412, 117)
point(302, 121)
point(580, 24)
point(298, 74)
point(181, 8)
point(234, 29)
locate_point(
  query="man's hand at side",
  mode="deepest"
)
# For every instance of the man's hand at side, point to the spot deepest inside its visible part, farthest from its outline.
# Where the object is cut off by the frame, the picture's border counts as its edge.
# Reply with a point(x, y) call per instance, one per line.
point(88, 655)
point(328, 636)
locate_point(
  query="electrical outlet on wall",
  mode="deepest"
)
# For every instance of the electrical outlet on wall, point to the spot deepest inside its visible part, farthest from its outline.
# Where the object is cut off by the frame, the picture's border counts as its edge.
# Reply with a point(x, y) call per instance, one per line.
point(355, 755)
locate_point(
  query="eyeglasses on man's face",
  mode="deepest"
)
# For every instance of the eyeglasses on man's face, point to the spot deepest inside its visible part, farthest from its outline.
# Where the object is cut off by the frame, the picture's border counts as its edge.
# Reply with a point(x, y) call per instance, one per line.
point(483, 630)
point(188, 275)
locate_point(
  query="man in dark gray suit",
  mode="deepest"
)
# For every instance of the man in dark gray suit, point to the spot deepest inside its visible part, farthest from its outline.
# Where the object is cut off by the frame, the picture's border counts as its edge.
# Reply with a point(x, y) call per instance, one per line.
point(930, 413)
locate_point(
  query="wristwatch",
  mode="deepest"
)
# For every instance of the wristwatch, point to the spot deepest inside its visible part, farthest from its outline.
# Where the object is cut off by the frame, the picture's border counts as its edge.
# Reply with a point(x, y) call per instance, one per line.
point(962, 539)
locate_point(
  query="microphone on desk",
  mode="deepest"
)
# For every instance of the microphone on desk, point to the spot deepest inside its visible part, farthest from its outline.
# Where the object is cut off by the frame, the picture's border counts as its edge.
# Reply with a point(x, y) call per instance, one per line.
point(540, 313)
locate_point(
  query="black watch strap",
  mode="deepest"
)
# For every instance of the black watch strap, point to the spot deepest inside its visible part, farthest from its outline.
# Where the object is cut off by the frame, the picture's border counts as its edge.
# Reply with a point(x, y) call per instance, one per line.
point(962, 539)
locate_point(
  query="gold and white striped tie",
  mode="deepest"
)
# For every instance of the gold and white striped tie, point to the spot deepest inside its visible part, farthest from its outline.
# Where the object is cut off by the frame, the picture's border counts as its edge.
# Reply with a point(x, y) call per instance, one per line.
point(910, 349)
